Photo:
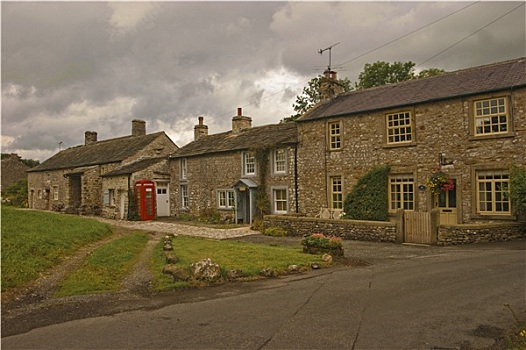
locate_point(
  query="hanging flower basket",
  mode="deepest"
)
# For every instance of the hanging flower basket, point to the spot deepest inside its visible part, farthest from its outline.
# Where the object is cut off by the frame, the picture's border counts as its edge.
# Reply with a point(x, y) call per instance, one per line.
point(439, 182)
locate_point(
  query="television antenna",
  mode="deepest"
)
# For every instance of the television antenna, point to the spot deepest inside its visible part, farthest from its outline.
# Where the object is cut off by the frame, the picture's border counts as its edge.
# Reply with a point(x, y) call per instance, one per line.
point(320, 51)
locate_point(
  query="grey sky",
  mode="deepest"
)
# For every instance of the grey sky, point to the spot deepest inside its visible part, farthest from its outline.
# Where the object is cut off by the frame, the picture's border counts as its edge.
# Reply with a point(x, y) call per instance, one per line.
point(68, 67)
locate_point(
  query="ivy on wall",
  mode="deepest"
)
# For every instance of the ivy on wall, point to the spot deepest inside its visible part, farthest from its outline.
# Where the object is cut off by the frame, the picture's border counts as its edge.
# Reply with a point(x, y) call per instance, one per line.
point(133, 212)
point(368, 198)
point(518, 188)
point(262, 202)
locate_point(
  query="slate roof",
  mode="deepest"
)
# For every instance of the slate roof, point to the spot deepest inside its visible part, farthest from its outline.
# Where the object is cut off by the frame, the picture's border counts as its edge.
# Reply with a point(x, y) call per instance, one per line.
point(100, 152)
point(477, 80)
point(134, 167)
point(261, 136)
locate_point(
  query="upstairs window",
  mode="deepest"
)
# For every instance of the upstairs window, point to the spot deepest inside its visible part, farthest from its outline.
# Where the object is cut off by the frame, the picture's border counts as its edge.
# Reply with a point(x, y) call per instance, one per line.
point(280, 161)
point(399, 128)
point(335, 136)
point(491, 116)
point(183, 168)
point(249, 163)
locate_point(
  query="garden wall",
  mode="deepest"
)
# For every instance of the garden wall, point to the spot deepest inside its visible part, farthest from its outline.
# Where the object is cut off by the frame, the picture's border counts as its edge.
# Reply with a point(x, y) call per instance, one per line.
point(480, 233)
point(377, 231)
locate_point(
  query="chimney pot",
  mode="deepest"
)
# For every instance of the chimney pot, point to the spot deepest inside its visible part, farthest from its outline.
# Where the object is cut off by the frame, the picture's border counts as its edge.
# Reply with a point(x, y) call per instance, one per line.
point(138, 127)
point(240, 122)
point(201, 129)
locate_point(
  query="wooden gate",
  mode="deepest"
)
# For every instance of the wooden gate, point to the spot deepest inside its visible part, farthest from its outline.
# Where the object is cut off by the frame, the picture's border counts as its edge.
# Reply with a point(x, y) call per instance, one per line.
point(419, 227)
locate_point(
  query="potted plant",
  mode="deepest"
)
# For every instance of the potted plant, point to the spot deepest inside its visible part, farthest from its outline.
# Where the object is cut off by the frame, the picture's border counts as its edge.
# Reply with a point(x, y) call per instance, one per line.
point(318, 243)
point(439, 182)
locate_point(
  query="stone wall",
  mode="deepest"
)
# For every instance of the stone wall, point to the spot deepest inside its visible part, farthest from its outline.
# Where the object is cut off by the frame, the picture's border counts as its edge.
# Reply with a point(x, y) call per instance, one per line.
point(439, 127)
point(376, 231)
point(481, 233)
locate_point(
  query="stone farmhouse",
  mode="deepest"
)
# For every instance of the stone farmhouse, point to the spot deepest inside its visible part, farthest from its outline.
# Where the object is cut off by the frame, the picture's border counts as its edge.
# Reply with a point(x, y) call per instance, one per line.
point(240, 173)
point(470, 124)
point(95, 178)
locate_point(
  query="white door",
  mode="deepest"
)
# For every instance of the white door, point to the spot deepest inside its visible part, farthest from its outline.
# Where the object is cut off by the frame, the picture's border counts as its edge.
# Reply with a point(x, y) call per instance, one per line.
point(163, 199)
point(123, 196)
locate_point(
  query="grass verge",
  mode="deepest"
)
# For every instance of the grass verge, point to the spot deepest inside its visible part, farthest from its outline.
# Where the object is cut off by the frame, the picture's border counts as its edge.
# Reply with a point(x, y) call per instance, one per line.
point(104, 270)
point(250, 258)
point(33, 242)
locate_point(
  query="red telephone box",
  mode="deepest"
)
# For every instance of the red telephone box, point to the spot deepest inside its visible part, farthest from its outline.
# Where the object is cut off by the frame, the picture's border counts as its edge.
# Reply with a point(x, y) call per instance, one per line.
point(145, 193)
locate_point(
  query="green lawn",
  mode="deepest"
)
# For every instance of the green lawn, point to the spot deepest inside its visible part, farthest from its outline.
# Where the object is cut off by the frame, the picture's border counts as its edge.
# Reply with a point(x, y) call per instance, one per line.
point(33, 242)
point(250, 258)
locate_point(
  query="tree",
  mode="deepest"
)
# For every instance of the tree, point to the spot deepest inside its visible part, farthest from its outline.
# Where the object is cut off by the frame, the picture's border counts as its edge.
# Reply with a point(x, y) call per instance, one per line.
point(311, 96)
point(382, 73)
point(16, 194)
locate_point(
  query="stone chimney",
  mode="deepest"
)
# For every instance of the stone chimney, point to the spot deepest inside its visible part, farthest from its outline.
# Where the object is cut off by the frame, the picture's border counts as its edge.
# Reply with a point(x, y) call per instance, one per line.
point(90, 137)
point(138, 127)
point(200, 129)
point(330, 87)
point(241, 122)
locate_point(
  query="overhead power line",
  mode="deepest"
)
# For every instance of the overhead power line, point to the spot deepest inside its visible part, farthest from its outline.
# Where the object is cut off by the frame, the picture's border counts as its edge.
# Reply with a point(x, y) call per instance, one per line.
point(470, 35)
point(406, 35)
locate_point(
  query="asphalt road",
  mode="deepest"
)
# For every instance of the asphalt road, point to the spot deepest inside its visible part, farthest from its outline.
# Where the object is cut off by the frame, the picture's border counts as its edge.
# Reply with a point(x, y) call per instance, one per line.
point(408, 298)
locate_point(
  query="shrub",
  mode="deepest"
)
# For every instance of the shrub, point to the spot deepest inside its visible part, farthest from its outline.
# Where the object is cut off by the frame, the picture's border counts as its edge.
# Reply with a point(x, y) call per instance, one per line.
point(368, 198)
point(16, 194)
point(518, 188)
point(275, 232)
point(258, 225)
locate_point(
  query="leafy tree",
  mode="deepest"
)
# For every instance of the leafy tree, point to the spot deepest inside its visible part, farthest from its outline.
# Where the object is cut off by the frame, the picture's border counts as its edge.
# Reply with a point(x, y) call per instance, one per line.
point(368, 198)
point(382, 73)
point(311, 96)
point(16, 194)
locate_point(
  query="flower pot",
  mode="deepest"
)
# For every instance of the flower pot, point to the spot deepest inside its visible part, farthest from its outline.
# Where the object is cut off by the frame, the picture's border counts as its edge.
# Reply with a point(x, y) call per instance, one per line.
point(319, 251)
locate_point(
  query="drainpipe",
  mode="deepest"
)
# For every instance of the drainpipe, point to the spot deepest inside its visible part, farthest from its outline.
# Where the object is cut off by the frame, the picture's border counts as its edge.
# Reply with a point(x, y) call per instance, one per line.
point(296, 177)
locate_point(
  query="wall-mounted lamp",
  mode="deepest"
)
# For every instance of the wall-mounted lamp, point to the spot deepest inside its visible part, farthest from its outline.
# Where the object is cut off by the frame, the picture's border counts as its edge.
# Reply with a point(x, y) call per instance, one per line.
point(443, 161)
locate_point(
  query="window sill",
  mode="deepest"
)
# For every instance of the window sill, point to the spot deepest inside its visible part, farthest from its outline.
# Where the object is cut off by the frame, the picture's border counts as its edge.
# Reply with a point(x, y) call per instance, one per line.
point(397, 145)
point(503, 217)
point(490, 137)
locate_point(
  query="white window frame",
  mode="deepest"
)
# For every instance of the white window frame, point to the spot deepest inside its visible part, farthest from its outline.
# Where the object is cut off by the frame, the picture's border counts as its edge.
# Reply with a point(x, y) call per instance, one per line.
point(55, 193)
point(183, 196)
point(402, 192)
point(111, 193)
point(183, 168)
point(493, 192)
point(249, 164)
point(280, 200)
point(279, 160)
point(226, 199)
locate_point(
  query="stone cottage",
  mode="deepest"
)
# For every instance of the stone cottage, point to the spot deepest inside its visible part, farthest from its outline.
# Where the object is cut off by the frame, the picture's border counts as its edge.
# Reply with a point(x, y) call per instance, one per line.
point(95, 178)
point(469, 124)
point(240, 174)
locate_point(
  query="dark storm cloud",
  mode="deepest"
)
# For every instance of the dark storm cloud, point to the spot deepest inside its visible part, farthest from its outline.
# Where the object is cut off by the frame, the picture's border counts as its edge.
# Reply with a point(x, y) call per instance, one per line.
point(68, 67)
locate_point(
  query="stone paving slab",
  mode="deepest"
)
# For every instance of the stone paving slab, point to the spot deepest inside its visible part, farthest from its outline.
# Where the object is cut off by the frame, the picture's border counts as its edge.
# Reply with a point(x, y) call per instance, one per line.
point(180, 229)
